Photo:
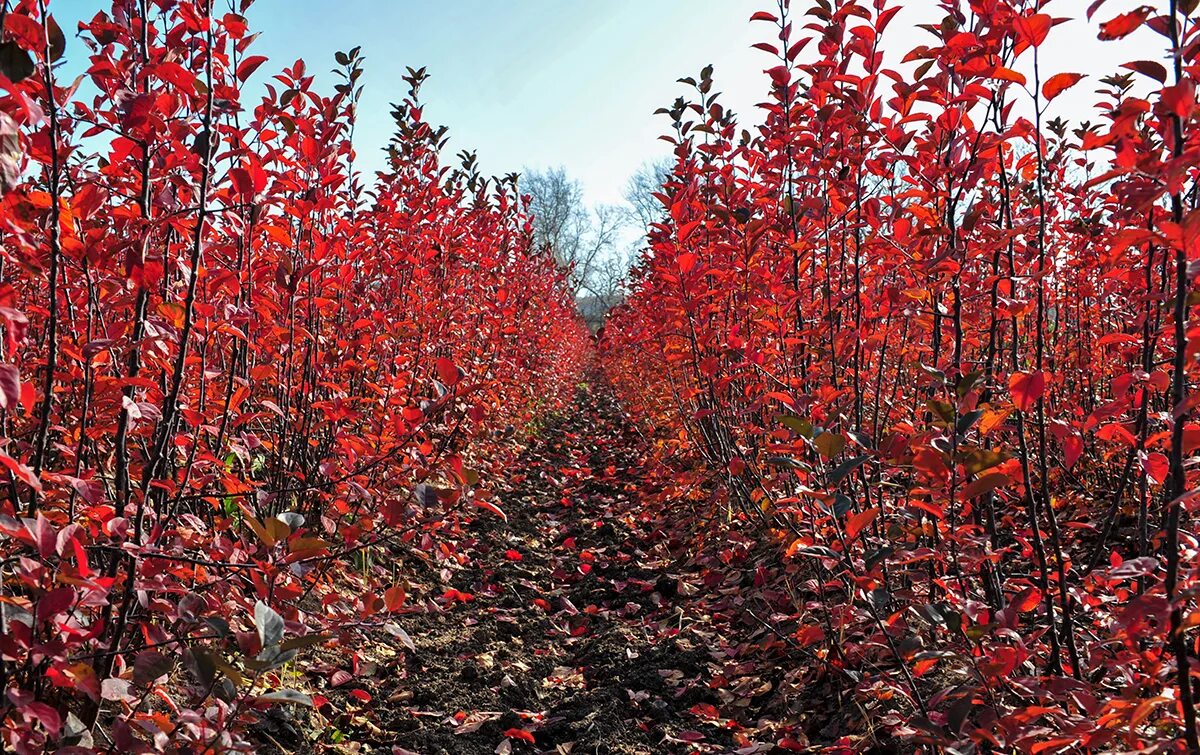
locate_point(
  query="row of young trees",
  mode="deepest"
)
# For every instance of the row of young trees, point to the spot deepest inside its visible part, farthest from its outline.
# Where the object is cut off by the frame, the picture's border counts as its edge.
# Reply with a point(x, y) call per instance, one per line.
point(231, 373)
point(942, 348)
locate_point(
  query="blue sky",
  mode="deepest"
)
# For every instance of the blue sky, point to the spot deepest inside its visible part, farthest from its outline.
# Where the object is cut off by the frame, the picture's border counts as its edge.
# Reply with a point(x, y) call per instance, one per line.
point(542, 83)
point(535, 83)
point(525, 83)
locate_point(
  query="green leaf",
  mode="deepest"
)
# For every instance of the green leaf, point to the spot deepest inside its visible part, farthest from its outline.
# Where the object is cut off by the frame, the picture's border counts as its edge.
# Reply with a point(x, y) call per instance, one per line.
point(967, 383)
point(58, 42)
point(880, 598)
point(842, 503)
point(878, 555)
point(218, 625)
point(936, 374)
point(784, 461)
point(845, 468)
point(200, 662)
point(817, 551)
point(862, 439)
point(978, 459)
point(15, 63)
point(396, 631)
point(425, 495)
point(272, 656)
point(967, 421)
point(268, 623)
point(801, 427)
point(943, 409)
point(829, 444)
point(286, 696)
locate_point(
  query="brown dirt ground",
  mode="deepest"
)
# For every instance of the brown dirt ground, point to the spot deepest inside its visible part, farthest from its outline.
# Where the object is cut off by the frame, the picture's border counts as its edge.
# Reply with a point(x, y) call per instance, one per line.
point(631, 650)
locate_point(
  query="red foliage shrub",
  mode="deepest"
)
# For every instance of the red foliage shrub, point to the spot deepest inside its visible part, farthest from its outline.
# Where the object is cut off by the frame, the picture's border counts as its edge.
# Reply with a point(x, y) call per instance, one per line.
point(942, 349)
point(229, 370)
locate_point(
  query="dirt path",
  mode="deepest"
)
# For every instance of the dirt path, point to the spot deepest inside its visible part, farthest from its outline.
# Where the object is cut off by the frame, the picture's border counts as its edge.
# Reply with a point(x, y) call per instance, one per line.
point(568, 643)
point(570, 629)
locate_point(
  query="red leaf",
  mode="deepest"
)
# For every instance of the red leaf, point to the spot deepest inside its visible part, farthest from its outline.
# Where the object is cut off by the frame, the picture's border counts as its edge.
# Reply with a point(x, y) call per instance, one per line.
point(930, 462)
point(1026, 388)
point(489, 506)
point(1008, 74)
point(1125, 24)
point(857, 522)
point(1032, 30)
point(28, 33)
point(173, 73)
point(1180, 98)
point(446, 371)
point(1156, 466)
point(394, 597)
point(1153, 69)
point(28, 397)
point(55, 602)
point(45, 714)
point(1058, 83)
point(248, 66)
point(21, 472)
point(985, 484)
point(242, 181)
point(1027, 600)
point(235, 25)
point(10, 386)
point(705, 710)
point(520, 734)
point(1072, 449)
point(42, 535)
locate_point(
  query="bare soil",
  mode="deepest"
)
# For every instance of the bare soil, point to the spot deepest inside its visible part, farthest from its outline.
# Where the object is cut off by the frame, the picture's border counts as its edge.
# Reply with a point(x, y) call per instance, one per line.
point(591, 628)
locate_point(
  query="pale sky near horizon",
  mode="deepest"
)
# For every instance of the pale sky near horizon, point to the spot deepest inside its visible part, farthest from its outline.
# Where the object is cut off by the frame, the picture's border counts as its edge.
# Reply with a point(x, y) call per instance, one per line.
point(543, 83)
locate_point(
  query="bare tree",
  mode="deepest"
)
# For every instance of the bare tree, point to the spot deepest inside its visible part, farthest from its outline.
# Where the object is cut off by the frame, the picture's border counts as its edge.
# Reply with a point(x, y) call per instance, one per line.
point(582, 240)
point(607, 266)
point(644, 207)
point(594, 244)
point(559, 215)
